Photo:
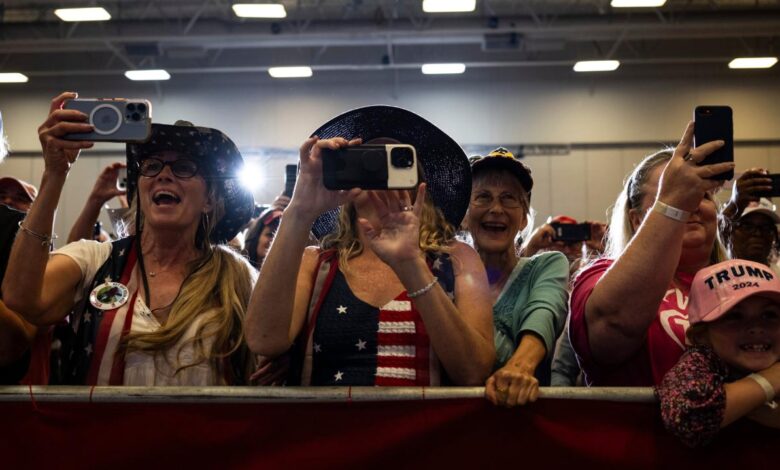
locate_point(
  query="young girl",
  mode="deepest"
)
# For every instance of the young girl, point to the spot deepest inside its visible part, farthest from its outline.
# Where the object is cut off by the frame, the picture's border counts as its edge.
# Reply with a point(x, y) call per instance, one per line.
point(732, 369)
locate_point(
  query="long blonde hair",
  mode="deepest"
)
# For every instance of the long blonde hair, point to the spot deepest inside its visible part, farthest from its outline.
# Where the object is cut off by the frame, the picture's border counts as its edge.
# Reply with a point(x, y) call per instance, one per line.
point(436, 234)
point(216, 291)
point(621, 231)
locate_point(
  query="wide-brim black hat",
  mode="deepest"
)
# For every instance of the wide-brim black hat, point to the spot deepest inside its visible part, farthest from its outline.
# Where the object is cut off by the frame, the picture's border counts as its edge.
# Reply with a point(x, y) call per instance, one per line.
point(219, 162)
point(444, 164)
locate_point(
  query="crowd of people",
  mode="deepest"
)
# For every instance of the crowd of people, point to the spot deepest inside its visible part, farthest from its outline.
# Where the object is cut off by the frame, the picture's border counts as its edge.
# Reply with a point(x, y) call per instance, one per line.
point(377, 288)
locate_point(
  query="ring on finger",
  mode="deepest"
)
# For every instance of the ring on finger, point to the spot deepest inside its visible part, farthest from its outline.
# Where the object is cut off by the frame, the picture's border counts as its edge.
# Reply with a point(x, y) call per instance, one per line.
point(406, 208)
point(689, 157)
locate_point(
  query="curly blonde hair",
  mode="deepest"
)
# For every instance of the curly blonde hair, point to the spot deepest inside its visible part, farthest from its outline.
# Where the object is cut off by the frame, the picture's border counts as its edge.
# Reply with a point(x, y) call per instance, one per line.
point(436, 233)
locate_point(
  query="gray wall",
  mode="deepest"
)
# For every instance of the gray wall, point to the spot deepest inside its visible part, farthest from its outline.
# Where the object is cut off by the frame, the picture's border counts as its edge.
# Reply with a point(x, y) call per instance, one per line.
point(619, 120)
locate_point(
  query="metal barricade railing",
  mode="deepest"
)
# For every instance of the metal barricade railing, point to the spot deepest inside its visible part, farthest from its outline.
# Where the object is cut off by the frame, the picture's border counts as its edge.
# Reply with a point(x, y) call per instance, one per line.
point(81, 394)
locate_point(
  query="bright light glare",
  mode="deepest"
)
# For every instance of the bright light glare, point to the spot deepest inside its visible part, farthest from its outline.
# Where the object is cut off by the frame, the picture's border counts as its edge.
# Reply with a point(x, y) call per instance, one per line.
point(637, 3)
point(259, 10)
point(449, 6)
point(142, 75)
point(752, 62)
point(252, 176)
point(596, 65)
point(290, 72)
point(82, 14)
point(13, 77)
point(438, 69)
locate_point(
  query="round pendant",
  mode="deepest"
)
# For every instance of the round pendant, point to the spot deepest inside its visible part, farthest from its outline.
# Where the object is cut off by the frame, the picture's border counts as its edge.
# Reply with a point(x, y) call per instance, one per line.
point(109, 295)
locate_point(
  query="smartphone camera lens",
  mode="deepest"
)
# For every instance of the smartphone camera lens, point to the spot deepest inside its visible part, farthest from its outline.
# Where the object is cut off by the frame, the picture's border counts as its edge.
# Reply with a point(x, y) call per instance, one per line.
point(402, 157)
point(131, 107)
point(136, 117)
point(141, 107)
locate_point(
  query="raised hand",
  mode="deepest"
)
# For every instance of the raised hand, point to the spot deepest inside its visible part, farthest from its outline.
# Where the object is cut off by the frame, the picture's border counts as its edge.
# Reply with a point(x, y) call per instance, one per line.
point(751, 182)
point(395, 233)
point(105, 186)
point(59, 154)
point(310, 197)
point(683, 182)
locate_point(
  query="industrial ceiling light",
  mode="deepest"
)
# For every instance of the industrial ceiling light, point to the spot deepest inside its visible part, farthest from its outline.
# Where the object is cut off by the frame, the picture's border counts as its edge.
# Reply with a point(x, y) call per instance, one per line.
point(13, 77)
point(637, 3)
point(752, 62)
point(259, 10)
point(449, 6)
point(82, 14)
point(290, 72)
point(147, 75)
point(441, 69)
point(596, 65)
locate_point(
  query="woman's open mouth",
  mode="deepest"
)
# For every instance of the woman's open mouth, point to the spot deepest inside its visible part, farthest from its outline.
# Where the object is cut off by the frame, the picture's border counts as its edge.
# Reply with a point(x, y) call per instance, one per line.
point(493, 227)
point(165, 198)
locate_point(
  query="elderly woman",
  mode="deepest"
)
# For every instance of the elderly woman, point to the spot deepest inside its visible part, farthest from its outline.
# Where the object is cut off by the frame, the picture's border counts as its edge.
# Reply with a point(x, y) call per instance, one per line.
point(389, 297)
point(528, 294)
point(629, 311)
point(164, 306)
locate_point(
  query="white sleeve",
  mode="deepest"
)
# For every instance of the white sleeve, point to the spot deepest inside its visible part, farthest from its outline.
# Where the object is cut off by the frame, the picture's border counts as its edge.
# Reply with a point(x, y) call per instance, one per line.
point(89, 255)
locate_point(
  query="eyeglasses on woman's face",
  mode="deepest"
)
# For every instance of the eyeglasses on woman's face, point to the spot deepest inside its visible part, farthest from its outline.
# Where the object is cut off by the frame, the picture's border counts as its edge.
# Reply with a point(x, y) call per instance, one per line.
point(484, 199)
point(181, 167)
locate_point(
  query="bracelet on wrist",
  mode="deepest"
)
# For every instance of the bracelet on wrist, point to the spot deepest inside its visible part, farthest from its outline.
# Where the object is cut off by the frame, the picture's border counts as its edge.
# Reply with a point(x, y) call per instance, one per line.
point(671, 212)
point(46, 240)
point(769, 390)
point(418, 293)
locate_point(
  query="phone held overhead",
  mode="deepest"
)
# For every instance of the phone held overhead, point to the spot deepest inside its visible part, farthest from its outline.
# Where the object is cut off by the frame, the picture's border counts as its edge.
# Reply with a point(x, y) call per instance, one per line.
point(570, 233)
point(114, 119)
point(386, 166)
point(715, 123)
point(775, 191)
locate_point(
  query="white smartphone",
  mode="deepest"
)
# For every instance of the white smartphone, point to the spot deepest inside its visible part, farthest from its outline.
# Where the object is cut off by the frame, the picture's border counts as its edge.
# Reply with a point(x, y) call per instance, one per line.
point(121, 179)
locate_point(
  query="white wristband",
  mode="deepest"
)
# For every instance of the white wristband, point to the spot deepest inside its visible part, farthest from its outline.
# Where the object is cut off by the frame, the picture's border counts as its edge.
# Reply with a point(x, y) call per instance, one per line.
point(671, 212)
point(769, 390)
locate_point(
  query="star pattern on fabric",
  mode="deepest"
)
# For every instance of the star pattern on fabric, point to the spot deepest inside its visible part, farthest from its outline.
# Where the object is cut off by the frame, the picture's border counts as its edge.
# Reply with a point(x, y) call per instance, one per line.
point(338, 376)
point(87, 317)
point(88, 349)
point(107, 279)
point(342, 310)
point(317, 348)
point(361, 345)
point(437, 264)
point(122, 252)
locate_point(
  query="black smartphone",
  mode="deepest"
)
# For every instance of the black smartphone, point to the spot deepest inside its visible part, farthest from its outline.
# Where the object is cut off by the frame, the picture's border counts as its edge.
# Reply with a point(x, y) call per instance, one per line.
point(390, 166)
point(715, 123)
point(775, 191)
point(569, 233)
point(290, 174)
point(114, 120)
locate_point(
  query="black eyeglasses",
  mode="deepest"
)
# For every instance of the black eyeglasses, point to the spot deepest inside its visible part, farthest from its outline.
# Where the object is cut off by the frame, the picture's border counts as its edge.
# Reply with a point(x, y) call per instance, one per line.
point(507, 200)
point(181, 168)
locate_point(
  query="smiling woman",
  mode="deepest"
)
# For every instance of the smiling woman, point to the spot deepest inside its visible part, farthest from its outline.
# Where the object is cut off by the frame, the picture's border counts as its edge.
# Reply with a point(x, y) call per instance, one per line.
point(163, 306)
point(528, 294)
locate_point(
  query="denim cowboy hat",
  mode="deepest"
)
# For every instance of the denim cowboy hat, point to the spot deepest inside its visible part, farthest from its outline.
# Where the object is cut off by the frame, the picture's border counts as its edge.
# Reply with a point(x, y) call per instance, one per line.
point(444, 164)
point(219, 161)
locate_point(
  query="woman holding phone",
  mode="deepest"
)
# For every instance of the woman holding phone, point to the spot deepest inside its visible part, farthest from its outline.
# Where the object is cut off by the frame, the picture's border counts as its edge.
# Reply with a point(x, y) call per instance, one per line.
point(629, 310)
point(389, 297)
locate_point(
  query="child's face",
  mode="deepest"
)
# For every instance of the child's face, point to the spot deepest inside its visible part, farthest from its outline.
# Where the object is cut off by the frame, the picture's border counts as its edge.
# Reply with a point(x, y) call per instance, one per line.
point(748, 336)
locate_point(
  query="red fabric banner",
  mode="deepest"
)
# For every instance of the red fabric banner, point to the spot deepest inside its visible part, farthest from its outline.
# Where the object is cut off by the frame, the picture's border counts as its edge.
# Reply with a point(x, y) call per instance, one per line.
point(434, 434)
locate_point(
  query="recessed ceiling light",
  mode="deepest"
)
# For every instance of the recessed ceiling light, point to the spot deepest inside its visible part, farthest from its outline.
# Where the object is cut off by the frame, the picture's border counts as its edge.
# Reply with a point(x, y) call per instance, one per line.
point(83, 14)
point(449, 6)
point(752, 62)
point(596, 65)
point(13, 77)
point(259, 10)
point(440, 69)
point(637, 3)
point(290, 72)
point(143, 75)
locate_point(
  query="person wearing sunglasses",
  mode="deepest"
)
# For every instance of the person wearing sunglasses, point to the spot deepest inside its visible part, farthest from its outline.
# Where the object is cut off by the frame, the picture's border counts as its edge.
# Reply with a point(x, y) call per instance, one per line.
point(163, 306)
point(529, 294)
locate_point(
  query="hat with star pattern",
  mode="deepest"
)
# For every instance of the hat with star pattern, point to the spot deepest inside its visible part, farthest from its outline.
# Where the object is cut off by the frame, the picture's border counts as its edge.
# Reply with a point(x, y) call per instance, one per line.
point(219, 161)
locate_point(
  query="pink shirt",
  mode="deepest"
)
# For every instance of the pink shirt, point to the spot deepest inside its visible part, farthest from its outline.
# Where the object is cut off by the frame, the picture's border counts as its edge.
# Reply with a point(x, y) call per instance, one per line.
point(664, 344)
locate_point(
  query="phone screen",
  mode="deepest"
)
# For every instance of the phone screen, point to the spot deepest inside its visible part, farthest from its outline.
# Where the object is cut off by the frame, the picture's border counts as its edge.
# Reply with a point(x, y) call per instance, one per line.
point(571, 232)
point(715, 123)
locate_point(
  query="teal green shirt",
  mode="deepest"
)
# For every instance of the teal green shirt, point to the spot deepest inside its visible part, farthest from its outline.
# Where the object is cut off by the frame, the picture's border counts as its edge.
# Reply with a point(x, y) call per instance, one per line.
point(534, 300)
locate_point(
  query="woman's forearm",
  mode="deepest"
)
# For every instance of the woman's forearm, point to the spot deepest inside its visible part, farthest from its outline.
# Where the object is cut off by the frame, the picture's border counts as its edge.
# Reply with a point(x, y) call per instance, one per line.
point(529, 353)
point(23, 281)
point(270, 313)
point(625, 300)
point(466, 354)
